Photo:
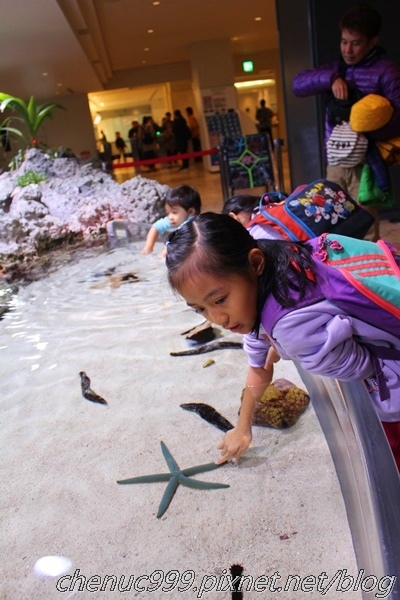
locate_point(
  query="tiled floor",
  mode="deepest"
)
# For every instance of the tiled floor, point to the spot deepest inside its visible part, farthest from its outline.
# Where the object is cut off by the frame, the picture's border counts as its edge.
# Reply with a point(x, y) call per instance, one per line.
point(210, 188)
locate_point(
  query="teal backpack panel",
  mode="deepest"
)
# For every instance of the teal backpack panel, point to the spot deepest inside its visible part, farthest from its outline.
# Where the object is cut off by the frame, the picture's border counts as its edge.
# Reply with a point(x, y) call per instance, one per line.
point(372, 268)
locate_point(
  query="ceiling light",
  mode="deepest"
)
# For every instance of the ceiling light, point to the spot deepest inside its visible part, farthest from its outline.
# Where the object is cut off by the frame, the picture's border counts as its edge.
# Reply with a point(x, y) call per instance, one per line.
point(150, 31)
point(255, 83)
point(146, 49)
point(97, 119)
point(258, 19)
point(44, 74)
point(156, 3)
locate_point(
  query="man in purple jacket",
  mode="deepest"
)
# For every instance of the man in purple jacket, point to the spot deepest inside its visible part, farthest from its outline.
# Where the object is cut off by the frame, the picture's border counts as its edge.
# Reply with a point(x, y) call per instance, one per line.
point(362, 69)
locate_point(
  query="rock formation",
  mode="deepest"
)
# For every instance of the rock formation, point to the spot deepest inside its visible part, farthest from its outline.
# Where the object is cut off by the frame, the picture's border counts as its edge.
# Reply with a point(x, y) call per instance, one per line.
point(72, 204)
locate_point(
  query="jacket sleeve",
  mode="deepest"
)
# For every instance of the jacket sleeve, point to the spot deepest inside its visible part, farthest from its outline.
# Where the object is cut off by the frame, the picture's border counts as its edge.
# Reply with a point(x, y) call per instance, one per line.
point(256, 349)
point(325, 341)
point(315, 81)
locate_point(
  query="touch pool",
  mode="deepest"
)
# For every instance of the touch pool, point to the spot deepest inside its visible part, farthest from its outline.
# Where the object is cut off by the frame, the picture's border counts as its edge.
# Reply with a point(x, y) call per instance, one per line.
point(283, 512)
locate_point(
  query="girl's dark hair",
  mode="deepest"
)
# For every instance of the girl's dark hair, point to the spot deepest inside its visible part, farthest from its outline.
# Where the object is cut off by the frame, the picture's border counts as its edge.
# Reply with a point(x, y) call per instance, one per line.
point(241, 203)
point(218, 245)
point(185, 196)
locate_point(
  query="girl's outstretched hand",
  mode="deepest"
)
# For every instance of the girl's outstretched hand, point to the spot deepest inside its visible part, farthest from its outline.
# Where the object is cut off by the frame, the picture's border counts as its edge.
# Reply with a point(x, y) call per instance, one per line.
point(234, 443)
point(237, 440)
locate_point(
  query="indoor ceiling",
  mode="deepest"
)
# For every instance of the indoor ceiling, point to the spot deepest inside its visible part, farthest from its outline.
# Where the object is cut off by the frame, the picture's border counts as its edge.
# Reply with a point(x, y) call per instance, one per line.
point(61, 47)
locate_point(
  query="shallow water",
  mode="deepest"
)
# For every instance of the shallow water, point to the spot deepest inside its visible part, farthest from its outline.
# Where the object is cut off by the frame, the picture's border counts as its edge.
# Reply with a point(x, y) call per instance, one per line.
point(63, 454)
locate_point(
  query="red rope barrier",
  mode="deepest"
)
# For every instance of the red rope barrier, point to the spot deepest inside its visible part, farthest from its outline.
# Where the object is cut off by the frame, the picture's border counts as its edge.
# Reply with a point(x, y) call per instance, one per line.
point(163, 159)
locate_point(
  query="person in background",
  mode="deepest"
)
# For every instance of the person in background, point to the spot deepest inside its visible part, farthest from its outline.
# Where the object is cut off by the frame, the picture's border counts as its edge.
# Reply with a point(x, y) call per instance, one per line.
point(134, 138)
point(148, 140)
point(105, 153)
point(264, 120)
point(361, 69)
point(181, 204)
point(182, 137)
point(120, 144)
point(167, 129)
point(194, 127)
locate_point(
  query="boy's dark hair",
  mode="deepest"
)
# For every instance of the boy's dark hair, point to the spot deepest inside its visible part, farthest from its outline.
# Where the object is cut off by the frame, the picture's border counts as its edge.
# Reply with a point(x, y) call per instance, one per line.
point(184, 196)
point(241, 203)
point(189, 110)
point(362, 18)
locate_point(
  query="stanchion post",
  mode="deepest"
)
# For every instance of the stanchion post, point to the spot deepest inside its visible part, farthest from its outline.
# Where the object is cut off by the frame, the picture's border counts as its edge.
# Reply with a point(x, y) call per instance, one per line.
point(278, 143)
point(223, 170)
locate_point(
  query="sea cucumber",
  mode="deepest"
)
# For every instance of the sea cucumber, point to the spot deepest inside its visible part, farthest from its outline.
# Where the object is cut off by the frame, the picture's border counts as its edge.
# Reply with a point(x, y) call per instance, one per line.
point(209, 414)
point(208, 348)
point(87, 392)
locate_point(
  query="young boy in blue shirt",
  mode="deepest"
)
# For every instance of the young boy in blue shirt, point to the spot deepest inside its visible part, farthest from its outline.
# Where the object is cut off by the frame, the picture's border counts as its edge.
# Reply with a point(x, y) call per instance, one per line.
point(181, 204)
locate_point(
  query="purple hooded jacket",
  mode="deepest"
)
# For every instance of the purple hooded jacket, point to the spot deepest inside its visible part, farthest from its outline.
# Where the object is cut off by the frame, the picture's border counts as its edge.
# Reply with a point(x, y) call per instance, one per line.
point(375, 74)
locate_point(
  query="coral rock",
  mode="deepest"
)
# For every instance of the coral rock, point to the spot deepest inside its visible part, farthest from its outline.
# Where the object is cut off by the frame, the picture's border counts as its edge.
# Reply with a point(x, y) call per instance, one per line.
point(281, 405)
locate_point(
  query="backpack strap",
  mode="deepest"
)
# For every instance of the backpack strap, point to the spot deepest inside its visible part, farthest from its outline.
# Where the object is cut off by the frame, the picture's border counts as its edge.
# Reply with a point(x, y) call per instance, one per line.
point(272, 212)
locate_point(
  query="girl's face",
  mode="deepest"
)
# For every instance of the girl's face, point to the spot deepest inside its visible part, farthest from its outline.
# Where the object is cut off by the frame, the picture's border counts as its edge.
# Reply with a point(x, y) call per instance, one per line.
point(231, 301)
point(177, 215)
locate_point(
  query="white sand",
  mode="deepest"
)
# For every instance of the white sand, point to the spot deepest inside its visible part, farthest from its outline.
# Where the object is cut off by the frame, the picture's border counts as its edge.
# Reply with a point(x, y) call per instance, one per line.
point(62, 455)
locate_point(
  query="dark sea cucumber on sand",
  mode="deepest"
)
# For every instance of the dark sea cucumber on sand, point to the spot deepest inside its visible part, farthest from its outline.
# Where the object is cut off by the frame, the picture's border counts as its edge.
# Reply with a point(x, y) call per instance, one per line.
point(209, 414)
point(87, 392)
point(208, 348)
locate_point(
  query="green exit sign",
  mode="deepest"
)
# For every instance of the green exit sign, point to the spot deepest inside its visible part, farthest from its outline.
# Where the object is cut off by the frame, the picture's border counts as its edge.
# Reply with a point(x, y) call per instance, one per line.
point(248, 66)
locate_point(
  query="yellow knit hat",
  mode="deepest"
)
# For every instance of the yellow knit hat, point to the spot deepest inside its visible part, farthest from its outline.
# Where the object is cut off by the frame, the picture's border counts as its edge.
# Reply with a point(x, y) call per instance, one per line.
point(371, 112)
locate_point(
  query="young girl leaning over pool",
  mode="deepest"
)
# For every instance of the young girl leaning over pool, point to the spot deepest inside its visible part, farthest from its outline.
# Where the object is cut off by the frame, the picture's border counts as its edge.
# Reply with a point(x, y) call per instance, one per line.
point(237, 282)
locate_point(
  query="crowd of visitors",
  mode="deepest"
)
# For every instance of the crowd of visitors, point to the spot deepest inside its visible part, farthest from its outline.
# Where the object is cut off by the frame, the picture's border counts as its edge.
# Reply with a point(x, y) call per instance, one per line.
point(149, 140)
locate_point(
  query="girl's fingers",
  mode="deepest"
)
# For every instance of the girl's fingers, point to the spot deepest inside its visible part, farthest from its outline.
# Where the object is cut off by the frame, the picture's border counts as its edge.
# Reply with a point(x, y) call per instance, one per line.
point(228, 454)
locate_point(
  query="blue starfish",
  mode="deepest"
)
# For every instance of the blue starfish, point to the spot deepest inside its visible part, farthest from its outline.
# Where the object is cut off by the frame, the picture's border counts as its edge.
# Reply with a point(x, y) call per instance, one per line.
point(175, 477)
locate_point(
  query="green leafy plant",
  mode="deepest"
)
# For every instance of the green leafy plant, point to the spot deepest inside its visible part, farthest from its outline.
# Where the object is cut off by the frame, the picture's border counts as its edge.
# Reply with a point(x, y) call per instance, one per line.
point(30, 114)
point(30, 177)
point(17, 160)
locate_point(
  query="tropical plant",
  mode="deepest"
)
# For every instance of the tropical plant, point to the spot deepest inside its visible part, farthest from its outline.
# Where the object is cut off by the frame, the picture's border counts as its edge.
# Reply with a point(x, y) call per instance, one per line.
point(30, 114)
point(17, 160)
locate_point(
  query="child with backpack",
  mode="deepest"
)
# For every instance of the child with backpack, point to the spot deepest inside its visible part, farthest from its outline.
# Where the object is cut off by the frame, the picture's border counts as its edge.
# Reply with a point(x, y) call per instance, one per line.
point(319, 207)
point(322, 315)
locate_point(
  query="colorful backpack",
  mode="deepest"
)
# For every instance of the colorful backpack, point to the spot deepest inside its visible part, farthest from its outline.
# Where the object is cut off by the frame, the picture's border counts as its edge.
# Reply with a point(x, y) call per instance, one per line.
point(320, 207)
point(360, 277)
